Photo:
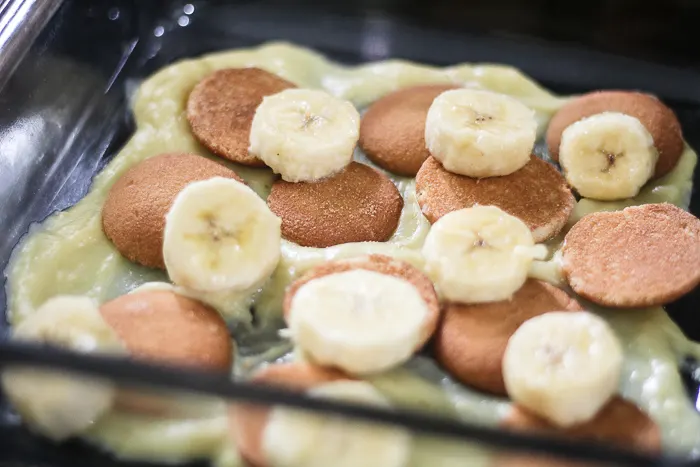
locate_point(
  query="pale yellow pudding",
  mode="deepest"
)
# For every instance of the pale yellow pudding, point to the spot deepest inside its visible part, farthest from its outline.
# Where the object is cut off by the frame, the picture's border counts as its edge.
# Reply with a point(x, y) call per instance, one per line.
point(69, 254)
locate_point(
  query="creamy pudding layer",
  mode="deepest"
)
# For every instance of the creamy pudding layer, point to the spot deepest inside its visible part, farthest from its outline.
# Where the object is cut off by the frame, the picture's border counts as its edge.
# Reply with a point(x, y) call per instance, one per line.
point(69, 254)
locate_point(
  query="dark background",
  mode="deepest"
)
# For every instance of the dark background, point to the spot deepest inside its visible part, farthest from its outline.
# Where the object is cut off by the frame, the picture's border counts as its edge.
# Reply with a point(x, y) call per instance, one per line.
point(663, 31)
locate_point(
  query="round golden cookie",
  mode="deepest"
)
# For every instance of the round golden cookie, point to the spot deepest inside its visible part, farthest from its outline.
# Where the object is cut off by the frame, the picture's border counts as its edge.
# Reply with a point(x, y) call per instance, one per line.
point(133, 216)
point(537, 194)
point(619, 423)
point(221, 108)
point(641, 256)
point(392, 132)
point(247, 422)
point(359, 204)
point(383, 265)
point(167, 328)
point(471, 339)
point(660, 121)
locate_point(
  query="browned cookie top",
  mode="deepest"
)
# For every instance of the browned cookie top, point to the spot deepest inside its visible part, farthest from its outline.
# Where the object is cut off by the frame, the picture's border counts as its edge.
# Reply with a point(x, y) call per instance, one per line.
point(165, 327)
point(221, 108)
point(359, 204)
point(537, 194)
point(641, 256)
point(471, 339)
point(660, 121)
point(133, 216)
point(392, 132)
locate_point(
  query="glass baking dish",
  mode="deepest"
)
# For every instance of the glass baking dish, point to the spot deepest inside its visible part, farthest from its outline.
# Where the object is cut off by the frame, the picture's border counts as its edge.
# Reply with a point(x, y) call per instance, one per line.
point(68, 70)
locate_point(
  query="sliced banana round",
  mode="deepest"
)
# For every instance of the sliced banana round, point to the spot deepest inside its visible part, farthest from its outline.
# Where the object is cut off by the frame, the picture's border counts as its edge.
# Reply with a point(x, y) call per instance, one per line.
point(220, 235)
point(359, 321)
point(563, 366)
point(153, 287)
point(608, 156)
point(304, 134)
point(60, 405)
point(479, 254)
point(301, 439)
point(480, 133)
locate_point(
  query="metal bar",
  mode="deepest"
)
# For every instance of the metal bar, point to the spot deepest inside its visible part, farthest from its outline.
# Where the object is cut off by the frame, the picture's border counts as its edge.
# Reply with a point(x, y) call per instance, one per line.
point(130, 372)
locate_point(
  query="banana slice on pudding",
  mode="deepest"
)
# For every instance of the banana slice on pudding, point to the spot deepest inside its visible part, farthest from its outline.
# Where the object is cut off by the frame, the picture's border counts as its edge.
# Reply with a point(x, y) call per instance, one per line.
point(359, 321)
point(221, 106)
point(659, 119)
point(54, 404)
point(471, 339)
point(304, 135)
point(480, 133)
point(282, 437)
point(300, 439)
point(220, 235)
point(479, 254)
point(563, 366)
point(133, 214)
point(366, 350)
point(608, 156)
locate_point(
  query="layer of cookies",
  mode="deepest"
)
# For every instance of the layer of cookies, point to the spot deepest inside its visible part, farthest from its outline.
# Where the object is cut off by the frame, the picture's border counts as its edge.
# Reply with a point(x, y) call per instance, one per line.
point(103, 273)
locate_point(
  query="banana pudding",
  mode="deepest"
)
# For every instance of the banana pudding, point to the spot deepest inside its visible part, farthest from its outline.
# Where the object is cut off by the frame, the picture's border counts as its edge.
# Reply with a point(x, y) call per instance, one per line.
point(472, 338)
point(357, 290)
point(360, 204)
point(624, 259)
point(537, 194)
point(480, 134)
point(392, 131)
point(661, 124)
point(236, 244)
point(133, 215)
point(220, 111)
point(306, 152)
point(73, 404)
point(619, 422)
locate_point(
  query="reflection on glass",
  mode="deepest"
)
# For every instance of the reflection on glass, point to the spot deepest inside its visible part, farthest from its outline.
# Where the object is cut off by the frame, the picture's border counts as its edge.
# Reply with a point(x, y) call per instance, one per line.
point(113, 13)
point(376, 40)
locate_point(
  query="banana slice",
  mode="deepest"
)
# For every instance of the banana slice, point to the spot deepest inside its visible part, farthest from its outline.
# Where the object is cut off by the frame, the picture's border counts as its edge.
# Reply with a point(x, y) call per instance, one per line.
point(563, 366)
point(304, 135)
point(360, 321)
point(54, 404)
point(153, 287)
point(479, 254)
point(480, 133)
point(608, 156)
point(220, 235)
point(300, 439)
